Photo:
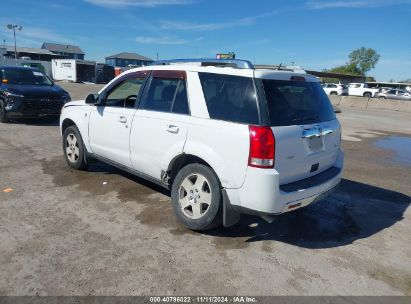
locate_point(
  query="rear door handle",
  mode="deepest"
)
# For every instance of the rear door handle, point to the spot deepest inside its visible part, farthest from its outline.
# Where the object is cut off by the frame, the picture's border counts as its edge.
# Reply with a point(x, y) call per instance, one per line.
point(122, 119)
point(310, 133)
point(326, 131)
point(172, 129)
point(316, 132)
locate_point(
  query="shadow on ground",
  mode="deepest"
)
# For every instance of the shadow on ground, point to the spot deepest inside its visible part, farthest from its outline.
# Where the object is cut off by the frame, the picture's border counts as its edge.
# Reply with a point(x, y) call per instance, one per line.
point(353, 212)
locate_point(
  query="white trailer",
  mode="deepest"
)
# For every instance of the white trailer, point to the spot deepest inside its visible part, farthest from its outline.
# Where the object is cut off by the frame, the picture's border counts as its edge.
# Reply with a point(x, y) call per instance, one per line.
point(73, 70)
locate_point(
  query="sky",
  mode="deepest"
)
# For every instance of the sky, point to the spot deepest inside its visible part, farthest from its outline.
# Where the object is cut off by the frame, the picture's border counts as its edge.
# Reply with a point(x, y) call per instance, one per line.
point(315, 34)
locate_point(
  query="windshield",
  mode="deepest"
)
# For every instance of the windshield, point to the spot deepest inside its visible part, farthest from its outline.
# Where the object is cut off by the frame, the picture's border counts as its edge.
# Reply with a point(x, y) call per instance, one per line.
point(25, 77)
point(296, 102)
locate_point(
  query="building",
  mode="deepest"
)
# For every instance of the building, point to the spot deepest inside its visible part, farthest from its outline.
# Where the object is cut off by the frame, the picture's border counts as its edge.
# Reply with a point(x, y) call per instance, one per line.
point(27, 53)
point(76, 70)
point(127, 59)
point(66, 51)
point(333, 77)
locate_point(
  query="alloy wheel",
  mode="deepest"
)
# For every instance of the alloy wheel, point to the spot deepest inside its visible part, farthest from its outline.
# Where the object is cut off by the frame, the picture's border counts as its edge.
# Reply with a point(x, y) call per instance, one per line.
point(195, 196)
point(72, 148)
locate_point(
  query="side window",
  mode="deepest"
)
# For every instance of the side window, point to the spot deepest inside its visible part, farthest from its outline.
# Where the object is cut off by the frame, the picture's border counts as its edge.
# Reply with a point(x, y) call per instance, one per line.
point(230, 98)
point(125, 94)
point(166, 94)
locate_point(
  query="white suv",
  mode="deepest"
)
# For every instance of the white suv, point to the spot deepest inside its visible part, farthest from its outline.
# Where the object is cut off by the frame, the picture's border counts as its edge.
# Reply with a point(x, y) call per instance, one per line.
point(335, 89)
point(224, 136)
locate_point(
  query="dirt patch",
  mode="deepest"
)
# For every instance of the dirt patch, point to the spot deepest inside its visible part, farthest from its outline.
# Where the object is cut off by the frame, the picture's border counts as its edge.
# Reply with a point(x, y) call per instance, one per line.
point(101, 179)
point(396, 278)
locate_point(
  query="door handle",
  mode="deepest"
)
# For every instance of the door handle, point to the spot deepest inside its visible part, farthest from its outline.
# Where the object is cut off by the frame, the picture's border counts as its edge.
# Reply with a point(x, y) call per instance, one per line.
point(122, 119)
point(316, 132)
point(310, 133)
point(326, 131)
point(172, 129)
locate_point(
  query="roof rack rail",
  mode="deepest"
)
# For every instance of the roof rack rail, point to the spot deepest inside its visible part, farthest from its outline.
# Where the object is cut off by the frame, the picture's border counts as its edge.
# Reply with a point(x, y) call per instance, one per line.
point(291, 68)
point(233, 63)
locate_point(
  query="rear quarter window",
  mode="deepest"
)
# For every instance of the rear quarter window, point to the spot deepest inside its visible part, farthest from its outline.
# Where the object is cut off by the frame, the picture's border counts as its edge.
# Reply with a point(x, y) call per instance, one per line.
point(296, 102)
point(230, 98)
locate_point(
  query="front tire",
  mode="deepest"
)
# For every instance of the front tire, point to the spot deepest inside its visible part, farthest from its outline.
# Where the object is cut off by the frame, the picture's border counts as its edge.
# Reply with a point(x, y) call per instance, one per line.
point(367, 95)
point(3, 114)
point(73, 148)
point(196, 197)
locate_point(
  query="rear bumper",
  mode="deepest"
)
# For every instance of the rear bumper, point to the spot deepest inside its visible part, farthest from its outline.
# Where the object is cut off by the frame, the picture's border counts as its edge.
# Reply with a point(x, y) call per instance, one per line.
point(261, 192)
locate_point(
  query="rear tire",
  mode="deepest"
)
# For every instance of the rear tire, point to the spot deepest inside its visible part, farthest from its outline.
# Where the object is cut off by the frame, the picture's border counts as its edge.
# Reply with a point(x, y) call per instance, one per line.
point(367, 95)
point(73, 148)
point(333, 93)
point(196, 197)
point(3, 114)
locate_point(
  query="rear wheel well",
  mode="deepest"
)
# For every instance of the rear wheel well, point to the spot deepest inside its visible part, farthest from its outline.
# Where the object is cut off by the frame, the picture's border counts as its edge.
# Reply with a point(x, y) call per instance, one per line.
point(180, 162)
point(67, 123)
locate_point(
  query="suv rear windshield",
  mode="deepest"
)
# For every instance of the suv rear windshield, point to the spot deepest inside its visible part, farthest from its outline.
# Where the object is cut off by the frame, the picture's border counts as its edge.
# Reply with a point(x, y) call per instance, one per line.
point(296, 102)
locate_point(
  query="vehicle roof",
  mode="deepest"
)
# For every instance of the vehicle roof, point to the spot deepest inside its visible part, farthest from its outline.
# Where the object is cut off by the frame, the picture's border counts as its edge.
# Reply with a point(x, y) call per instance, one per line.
point(258, 73)
point(12, 67)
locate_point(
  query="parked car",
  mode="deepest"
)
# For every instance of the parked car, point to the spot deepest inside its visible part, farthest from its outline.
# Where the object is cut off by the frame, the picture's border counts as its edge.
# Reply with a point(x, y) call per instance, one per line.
point(28, 92)
point(361, 89)
point(394, 94)
point(383, 90)
point(224, 137)
point(335, 89)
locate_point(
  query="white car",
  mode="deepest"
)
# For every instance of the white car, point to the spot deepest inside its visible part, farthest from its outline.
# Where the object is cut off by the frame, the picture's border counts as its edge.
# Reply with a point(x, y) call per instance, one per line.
point(361, 89)
point(335, 89)
point(224, 137)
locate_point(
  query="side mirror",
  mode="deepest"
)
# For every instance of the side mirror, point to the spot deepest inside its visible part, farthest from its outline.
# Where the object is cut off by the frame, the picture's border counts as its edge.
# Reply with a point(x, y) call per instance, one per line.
point(93, 99)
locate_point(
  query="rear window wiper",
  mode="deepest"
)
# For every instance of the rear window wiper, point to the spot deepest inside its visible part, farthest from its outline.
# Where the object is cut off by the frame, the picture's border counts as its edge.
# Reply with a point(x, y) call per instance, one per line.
point(308, 118)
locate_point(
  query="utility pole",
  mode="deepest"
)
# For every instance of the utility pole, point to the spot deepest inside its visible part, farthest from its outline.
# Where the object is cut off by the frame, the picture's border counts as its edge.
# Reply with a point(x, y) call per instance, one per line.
point(5, 50)
point(14, 27)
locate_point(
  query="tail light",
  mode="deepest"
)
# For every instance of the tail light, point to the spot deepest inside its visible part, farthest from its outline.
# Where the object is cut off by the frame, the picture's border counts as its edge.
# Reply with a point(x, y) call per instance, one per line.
point(262, 147)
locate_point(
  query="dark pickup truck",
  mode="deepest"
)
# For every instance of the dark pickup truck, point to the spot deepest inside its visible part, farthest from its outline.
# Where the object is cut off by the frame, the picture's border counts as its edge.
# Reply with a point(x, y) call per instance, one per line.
point(27, 92)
